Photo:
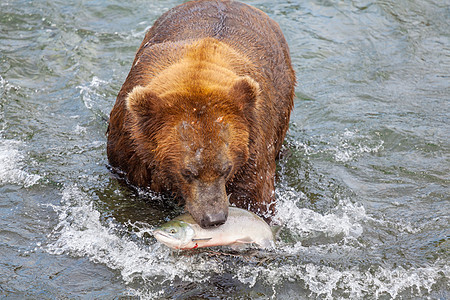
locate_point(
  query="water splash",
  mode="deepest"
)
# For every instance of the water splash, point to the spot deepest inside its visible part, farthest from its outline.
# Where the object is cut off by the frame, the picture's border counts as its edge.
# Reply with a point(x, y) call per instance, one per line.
point(342, 146)
point(82, 232)
point(324, 270)
point(12, 165)
point(93, 95)
point(325, 281)
point(351, 145)
point(344, 221)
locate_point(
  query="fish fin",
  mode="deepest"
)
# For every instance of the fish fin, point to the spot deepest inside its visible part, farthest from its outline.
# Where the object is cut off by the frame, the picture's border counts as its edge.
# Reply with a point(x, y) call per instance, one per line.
point(276, 229)
point(266, 244)
point(239, 247)
point(246, 240)
point(201, 240)
point(242, 244)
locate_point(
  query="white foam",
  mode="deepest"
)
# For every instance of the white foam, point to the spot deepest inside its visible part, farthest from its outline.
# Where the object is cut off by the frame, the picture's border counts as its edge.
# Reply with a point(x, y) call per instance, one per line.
point(343, 146)
point(346, 152)
point(82, 232)
point(11, 165)
point(90, 93)
point(5, 86)
point(346, 220)
point(2, 85)
point(351, 145)
point(80, 129)
point(323, 281)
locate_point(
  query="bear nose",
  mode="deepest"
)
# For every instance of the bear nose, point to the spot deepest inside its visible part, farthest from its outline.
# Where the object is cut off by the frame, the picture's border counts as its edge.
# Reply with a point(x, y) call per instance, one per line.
point(212, 220)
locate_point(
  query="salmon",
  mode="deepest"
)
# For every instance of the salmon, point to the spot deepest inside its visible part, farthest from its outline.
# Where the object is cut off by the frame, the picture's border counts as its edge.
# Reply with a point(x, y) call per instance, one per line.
point(242, 227)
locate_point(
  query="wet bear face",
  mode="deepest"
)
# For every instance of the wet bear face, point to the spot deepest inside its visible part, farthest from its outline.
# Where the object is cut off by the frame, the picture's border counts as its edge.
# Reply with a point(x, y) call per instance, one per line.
point(197, 142)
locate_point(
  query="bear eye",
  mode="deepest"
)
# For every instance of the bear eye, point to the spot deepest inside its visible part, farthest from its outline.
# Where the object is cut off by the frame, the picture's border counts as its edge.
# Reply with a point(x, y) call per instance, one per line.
point(227, 170)
point(187, 175)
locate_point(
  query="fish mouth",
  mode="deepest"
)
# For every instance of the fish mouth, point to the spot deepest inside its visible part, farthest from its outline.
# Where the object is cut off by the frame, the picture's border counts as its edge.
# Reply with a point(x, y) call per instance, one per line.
point(159, 235)
point(167, 239)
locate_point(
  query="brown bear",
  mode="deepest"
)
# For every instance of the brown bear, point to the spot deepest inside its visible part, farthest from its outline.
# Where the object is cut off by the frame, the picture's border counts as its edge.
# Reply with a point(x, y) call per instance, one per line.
point(205, 108)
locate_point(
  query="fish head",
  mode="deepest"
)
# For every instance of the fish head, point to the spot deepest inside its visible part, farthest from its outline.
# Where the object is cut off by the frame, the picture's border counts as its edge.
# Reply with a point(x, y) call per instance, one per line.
point(175, 234)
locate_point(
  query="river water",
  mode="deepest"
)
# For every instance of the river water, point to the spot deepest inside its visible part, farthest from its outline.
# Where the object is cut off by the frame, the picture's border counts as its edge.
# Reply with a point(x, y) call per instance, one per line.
point(363, 187)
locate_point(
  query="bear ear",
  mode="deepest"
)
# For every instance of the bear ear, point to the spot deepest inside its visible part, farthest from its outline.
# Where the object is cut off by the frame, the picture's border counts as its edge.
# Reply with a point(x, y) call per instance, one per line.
point(245, 92)
point(142, 103)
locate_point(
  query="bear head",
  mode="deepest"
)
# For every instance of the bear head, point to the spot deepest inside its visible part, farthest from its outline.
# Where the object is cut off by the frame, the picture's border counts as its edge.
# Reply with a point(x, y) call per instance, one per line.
point(195, 142)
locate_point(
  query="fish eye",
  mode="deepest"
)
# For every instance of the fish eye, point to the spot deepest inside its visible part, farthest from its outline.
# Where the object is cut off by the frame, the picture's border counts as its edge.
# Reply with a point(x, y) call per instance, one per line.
point(172, 231)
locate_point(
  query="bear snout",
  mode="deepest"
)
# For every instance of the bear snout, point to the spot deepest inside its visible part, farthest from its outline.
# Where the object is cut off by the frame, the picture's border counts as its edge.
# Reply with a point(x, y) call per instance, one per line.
point(208, 204)
point(214, 219)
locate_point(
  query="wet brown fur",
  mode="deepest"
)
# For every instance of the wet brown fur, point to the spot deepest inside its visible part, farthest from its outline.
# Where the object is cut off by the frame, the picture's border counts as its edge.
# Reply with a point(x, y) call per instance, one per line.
point(209, 76)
